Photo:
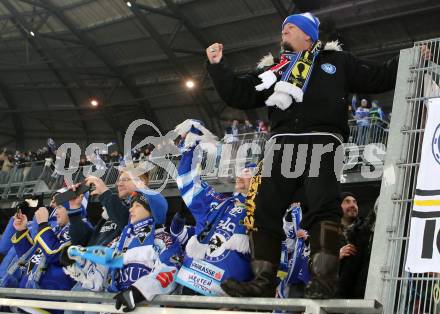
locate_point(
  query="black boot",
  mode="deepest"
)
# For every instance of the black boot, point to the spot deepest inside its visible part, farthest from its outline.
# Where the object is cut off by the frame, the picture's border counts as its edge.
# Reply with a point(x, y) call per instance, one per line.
point(263, 284)
point(325, 242)
point(265, 252)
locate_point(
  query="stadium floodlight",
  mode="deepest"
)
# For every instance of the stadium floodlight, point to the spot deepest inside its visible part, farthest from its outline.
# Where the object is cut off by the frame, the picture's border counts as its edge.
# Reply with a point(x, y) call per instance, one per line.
point(190, 84)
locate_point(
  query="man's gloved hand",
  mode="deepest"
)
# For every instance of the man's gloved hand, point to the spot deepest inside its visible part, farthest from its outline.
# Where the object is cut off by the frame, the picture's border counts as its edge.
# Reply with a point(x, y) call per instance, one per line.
point(65, 260)
point(128, 299)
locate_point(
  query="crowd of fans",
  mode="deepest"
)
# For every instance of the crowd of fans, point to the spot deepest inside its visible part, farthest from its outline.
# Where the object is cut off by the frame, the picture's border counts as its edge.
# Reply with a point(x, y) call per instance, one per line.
point(367, 120)
point(9, 160)
point(134, 251)
point(235, 128)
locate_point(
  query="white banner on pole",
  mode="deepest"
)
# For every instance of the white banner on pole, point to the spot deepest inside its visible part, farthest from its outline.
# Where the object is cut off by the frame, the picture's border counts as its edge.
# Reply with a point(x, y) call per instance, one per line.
point(424, 240)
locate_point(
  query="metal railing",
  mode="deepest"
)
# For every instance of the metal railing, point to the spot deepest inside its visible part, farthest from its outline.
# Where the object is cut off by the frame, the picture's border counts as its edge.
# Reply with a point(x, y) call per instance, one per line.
point(388, 282)
point(21, 180)
point(368, 131)
point(25, 179)
point(175, 304)
point(222, 161)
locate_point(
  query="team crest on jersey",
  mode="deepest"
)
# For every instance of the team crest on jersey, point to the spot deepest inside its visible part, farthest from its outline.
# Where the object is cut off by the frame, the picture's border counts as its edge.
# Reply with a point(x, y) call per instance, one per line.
point(436, 144)
point(328, 68)
point(216, 246)
point(34, 261)
point(143, 234)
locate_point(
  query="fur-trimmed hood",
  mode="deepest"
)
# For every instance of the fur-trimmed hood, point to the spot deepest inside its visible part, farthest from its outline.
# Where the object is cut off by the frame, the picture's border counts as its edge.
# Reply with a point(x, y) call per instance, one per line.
point(268, 60)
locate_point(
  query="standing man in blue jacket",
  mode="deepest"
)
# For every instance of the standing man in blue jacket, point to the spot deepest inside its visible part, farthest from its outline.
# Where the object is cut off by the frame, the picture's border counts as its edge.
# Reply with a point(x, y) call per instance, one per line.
point(305, 95)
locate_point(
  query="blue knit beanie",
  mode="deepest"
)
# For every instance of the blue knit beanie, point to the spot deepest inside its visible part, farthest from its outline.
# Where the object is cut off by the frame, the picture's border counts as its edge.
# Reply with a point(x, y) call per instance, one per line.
point(152, 201)
point(307, 22)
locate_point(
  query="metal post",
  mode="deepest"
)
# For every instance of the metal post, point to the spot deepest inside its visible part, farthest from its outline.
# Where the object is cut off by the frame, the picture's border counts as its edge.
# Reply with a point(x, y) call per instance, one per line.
point(391, 183)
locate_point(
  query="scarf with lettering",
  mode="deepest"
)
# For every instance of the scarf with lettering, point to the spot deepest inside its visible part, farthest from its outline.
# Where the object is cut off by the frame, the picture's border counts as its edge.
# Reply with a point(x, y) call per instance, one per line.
point(290, 76)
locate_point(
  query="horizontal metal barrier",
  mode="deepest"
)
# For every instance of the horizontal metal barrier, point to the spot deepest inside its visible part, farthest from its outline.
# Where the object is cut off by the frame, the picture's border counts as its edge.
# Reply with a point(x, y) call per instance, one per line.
point(103, 302)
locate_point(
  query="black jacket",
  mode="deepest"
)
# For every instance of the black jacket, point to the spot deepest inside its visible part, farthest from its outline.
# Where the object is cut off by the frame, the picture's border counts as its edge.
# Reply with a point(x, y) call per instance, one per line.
point(324, 108)
point(107, 229)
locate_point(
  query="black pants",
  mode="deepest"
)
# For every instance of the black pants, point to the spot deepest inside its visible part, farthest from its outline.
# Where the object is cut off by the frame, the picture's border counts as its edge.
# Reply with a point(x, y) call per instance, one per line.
point(319, 183)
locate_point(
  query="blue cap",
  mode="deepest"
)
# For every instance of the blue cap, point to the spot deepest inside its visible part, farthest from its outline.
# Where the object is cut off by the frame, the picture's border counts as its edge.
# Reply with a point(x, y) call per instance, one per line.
point(153, 201)
point(307, 22)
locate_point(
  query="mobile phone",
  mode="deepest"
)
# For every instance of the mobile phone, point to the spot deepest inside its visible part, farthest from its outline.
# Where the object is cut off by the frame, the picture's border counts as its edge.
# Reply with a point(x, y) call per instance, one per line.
point(69, 194)
point(23, 205)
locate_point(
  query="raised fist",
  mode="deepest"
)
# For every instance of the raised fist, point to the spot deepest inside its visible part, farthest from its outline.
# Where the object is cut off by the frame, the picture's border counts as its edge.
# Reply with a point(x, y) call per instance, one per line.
point(214, 53)
point(41, 215)
point(20, 222)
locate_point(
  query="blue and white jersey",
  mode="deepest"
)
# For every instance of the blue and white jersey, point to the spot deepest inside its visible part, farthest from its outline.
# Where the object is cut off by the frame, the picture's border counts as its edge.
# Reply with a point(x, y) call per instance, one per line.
point(136, 245)
point(42, 268)
point(11, 269)
point(145, 257)
point(219, 249)
point(362, 116)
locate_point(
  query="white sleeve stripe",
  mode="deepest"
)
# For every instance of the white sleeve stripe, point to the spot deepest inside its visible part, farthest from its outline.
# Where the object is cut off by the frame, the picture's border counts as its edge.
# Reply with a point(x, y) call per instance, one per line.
point(193, 192)
point(185, 179)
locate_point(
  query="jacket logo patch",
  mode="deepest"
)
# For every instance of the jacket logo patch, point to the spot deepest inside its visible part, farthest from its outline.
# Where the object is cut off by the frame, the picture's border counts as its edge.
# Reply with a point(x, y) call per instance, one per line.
point(166, 278)
point(216, 246)
point(328, 68)
point(34, 260)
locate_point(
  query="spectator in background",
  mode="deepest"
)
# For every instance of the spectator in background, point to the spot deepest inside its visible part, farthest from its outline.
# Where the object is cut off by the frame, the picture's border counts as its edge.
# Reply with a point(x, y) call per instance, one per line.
point(350, 209)
point(51, 145)
point(377, 123)
point(363, 123)
point(231, 132)
point(376, 111)
point(248, 127)
point(7, 163)
point(114, 156)
point(3, 157)
point(29, 158)
point(354, 255)
point(262, 127)
point(3, 153)
point(350, 113)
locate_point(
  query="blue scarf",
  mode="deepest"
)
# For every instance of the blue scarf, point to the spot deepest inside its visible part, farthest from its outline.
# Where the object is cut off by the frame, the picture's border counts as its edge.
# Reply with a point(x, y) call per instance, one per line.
point(294, 251)
point(142, 233)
